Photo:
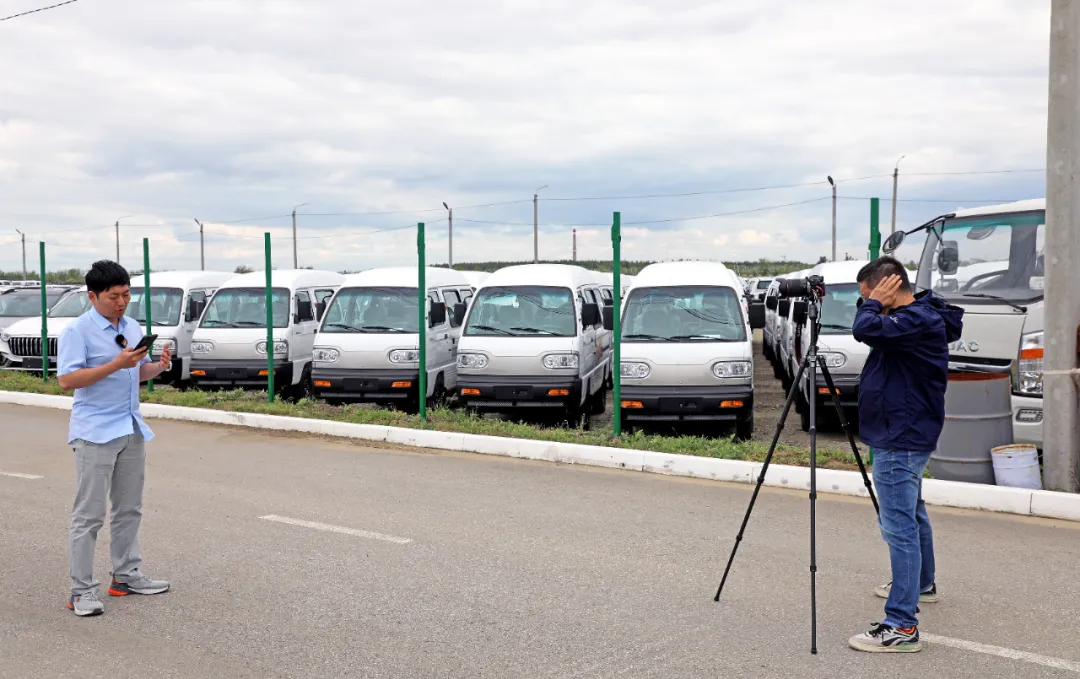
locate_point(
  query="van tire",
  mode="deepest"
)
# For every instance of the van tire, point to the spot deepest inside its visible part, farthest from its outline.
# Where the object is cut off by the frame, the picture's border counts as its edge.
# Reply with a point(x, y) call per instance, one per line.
point(438, 394)
point(302, 389)
point(744, 427)
point(598, 402)
point(804, 410)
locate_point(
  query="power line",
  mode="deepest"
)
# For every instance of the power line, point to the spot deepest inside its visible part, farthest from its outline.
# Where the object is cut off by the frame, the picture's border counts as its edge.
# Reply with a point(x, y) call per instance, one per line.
point(716, 191)
point(943, 174)
point(40, 9)
point(990, 201)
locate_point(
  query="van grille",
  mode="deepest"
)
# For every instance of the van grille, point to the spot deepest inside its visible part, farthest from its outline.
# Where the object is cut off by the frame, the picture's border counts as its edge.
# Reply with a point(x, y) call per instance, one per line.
point(30, 346)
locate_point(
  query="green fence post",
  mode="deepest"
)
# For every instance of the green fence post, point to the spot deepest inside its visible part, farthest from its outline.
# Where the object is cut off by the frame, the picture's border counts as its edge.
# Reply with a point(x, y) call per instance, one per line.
point(421, 335)
point(616, 369)
point(269, 321)
point(146, 297)
point(875, 231)
point(45, 319)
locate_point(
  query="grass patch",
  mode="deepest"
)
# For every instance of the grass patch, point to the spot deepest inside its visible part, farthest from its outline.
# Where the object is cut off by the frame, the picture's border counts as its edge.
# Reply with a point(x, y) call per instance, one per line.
point(450, 420)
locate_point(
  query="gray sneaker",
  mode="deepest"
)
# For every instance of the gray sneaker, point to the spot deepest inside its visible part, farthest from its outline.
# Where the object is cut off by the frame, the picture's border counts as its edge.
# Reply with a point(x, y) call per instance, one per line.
point(86, 604)
point(140, 585)
point(928, 597)
point(884, 638)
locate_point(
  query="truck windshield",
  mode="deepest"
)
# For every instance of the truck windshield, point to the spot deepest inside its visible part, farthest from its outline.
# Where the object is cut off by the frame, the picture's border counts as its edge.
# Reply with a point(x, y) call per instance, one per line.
point(523, 311)
point(973, 260)
point(71, 306)
point(684, 314)
point(164, 305)
point(245, 308)
point(19, 303)
point(372, 310)
point(838, 308)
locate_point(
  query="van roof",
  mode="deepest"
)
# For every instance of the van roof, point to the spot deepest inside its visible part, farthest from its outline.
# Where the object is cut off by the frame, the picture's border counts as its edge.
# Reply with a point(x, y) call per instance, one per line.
point(560, 275)
point(1006, 208)
point(184, 279)
point(839, 272)
point(667, 274)
point(405, 277)
point(475, 278)
point(285, 278)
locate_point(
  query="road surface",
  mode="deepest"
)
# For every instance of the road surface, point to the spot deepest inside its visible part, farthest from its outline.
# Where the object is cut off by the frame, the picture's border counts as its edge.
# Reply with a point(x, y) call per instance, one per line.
point(379, 562)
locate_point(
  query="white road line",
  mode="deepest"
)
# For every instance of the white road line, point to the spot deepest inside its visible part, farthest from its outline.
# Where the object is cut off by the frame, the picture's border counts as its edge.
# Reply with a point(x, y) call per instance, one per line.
point(329, 528)
point(1056, 663)
point(17, 475)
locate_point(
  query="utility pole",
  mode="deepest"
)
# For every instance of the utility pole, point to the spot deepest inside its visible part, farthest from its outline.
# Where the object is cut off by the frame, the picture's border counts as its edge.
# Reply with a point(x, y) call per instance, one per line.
point(833, 185)
point(202, 251)
point(1061, 400)
point(575, 245)
point(295, 265)
point(536, 224)
point(895, 178)
point(117, 241)
point(450, 246)
point(23, 254)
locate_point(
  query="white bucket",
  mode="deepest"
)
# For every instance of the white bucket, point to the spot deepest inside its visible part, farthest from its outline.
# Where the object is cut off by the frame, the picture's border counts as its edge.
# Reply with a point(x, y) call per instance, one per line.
point(1017, 466)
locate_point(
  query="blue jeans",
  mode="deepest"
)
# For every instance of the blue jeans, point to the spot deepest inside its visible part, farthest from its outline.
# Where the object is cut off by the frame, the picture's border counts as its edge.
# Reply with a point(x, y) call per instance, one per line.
point(906, 529)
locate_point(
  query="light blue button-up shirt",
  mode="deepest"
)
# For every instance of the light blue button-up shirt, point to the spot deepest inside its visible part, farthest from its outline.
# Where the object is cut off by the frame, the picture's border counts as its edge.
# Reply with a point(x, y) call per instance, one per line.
point(109, 409)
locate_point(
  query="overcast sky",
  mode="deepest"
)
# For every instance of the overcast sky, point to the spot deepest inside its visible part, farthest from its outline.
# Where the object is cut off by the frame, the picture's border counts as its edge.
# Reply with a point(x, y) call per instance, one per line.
point(225, 110)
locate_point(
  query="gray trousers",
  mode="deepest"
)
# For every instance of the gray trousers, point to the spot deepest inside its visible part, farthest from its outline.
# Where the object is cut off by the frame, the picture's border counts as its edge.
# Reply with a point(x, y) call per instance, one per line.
point(116, 469)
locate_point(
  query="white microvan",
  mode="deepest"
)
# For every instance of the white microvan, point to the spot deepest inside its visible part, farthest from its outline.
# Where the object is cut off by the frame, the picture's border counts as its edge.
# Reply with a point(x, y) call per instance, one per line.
point(177, 299)
point(843, 354)
point(367, 348)
point(229, 347)
point(687, 349)
point(771, 329)
point(990, 262)
point(533, 340)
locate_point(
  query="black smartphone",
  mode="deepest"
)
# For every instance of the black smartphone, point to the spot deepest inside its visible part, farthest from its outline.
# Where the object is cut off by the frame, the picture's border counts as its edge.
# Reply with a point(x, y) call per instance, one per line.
point(147, 342)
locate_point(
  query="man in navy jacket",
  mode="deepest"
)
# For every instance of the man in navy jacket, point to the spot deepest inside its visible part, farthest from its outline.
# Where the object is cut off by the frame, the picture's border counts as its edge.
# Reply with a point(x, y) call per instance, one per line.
point(901, 413)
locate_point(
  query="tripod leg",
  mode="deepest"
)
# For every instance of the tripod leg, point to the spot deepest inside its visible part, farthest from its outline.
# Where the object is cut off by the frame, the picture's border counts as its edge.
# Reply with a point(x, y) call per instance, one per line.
point(847, 430)
point(761, 477)
point(812, 360)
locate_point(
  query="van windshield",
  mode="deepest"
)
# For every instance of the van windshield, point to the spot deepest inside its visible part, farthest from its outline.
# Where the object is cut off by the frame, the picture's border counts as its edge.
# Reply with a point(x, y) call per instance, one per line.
point(986, 259)
point(164, 305)
point(684, 314)
point(523, 311)
point(245, 308)
point(21, 303)
point(72, 306)
point(838, 308)
point(372, 310)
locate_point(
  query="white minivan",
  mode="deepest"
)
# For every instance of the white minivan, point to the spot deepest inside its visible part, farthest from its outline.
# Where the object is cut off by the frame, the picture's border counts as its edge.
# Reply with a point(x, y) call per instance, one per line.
point(843, 354)
point(229, 347)
point(533, 341)
point(367, 347)
point(687, 350)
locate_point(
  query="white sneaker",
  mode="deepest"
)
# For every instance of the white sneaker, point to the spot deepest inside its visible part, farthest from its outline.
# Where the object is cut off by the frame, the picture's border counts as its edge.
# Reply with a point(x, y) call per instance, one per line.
point(928, 597)
point(86, 604)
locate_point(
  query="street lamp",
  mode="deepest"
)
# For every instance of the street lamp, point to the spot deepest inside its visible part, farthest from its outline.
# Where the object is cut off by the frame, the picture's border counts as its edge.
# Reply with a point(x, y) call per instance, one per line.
point(833, 185)
point(536, 224)
point(118, 236)
point(450, 255)
point(294, 264)
point(895, 175)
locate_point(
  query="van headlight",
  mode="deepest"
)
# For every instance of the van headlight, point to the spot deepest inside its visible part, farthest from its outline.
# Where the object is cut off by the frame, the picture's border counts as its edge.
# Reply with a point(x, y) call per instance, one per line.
point(567, 361)
point(160, 344)
point(206, 348)
point(732, 369)
point(472, 361)
point(281, 348)
point(405, 356)
point(323, 355)
point(634, 371)
point(1029, 370)
point(834, 359)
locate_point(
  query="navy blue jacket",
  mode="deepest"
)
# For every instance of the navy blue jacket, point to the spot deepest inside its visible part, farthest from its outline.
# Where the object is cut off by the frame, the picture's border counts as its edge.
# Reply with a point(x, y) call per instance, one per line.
point(902, 388)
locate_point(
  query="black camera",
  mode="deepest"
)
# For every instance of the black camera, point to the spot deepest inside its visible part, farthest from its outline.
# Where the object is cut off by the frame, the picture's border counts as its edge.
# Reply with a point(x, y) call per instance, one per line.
point(811, 286)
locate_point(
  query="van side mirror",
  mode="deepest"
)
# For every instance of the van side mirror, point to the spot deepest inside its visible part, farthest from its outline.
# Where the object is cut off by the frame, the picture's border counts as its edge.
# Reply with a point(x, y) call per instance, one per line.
point(799, 313)
point(437, 315)
point(893, 242)
point(460, 310)
point(608, 313)
point(320, 309)
point(948, 259)
point(194, 310)
point(590, 315)
point(770, 303)
point(783, 307)
point(757, 316)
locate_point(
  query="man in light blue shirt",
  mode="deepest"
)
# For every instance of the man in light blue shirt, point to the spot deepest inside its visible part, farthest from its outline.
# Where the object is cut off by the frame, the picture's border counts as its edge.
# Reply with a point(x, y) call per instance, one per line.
point(98, 360)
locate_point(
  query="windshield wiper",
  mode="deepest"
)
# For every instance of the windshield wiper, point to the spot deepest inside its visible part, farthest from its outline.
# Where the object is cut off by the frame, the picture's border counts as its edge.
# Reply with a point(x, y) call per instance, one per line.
point(677, 338)
point(982, 295)
point(345, 326)
point(217, 324)
point(646, 336)
point(488, 328)
point(383, 328)
point(536, 330)
point(836, 326)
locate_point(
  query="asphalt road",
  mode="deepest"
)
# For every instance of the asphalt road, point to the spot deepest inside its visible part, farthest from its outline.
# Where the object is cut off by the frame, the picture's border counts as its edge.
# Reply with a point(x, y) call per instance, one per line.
point(473, 566)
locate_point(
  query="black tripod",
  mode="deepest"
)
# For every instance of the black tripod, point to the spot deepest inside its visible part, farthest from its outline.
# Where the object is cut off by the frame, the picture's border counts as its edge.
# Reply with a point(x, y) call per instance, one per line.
point(810, 363)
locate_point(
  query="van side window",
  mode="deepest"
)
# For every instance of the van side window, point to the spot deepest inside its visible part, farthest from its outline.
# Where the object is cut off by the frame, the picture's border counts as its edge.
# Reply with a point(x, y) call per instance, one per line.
point(304, 312)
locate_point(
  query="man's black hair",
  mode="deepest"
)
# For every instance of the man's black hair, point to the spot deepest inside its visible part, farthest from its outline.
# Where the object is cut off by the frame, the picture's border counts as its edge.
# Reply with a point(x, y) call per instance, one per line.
point(880, 269)
point(105, 274)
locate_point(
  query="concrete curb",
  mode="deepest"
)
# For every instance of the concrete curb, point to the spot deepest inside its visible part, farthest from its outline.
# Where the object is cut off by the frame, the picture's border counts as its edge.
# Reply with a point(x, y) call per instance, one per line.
point(1041, 503)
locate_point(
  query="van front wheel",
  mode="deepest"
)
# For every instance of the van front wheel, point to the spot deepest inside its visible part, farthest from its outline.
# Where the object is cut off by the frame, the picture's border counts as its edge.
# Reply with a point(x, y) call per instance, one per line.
point(744, 427)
